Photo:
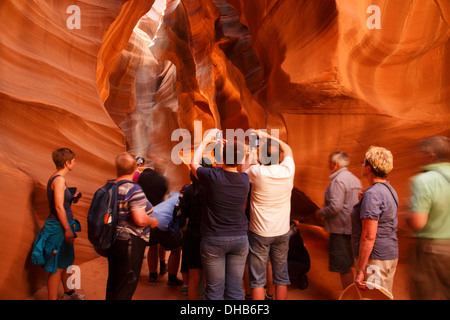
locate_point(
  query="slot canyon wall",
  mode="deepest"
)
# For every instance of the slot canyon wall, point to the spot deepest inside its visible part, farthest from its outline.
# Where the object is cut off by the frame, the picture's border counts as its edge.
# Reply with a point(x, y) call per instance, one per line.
point(328, 74)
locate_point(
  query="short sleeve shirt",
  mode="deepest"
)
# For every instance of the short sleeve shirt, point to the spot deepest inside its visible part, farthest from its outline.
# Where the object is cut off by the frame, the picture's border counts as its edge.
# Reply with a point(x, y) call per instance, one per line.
point(431, 194)
point(378, 203)
point(226, 196)
point(270, 201)
point(130, 198)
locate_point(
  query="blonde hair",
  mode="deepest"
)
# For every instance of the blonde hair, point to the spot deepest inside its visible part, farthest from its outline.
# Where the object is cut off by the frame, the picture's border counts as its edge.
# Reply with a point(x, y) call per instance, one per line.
point(380, 160)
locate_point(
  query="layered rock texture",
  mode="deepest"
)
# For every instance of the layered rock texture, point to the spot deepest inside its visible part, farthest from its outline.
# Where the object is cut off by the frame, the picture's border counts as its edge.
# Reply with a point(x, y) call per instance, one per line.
point(101, 77)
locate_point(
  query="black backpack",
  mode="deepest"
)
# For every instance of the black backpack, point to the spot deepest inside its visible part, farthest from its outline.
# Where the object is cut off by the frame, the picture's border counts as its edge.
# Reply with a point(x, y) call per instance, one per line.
point(102, 217)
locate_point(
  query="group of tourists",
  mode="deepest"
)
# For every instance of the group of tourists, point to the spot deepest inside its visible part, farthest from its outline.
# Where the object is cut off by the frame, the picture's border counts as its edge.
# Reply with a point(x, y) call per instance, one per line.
point(238, 221)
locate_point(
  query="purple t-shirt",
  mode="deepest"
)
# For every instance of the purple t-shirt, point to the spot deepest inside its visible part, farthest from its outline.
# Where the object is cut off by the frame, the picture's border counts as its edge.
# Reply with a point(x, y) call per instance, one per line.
point(378, 203)
point(226, 195)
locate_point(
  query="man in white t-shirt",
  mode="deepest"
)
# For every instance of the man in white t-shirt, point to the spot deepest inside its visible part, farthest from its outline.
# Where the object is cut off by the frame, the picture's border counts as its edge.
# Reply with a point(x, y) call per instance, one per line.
point(270, 208)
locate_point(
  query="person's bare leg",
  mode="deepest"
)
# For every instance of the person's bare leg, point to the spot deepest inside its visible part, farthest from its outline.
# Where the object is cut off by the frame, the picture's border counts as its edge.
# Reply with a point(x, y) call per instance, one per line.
point(280, 292)
point(258, 293)
point(193, 282)
point(269, 280)
point(185, 277)
point(53, 284)
point(174, 261)
point(64, 277)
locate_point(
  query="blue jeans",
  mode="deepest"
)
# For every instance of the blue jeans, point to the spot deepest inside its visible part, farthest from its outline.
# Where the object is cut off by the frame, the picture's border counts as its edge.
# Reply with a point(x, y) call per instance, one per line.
point(261, 248)
point(223, 261)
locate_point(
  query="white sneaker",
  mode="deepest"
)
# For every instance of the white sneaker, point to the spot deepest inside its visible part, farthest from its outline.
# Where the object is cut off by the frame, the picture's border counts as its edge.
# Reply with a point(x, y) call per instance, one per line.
point(73, 296)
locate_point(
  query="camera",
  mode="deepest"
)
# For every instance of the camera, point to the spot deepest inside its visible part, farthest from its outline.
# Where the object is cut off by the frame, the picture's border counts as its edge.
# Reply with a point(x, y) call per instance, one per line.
point(75, 199)
point(219, 135)
point(73, 191)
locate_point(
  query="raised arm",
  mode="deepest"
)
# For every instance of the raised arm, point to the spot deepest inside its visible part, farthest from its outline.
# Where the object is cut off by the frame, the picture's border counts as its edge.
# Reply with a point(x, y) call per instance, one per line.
point(287, 151)
point(197, 157)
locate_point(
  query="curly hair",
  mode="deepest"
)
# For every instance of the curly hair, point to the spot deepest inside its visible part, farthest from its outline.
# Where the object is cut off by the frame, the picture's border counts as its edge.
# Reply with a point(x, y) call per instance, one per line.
point(380, 160)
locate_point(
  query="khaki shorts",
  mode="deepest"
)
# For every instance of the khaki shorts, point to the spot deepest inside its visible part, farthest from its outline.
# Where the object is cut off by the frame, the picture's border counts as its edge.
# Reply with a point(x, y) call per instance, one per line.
point(381, 272)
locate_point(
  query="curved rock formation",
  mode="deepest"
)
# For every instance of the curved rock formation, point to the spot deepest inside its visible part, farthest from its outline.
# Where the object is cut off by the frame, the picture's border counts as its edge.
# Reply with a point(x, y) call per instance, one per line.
point(329, 74)
point(49, 98)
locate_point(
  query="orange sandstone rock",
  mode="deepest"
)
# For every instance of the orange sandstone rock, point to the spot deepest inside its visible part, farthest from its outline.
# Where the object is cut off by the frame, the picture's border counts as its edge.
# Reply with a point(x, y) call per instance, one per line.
point(328, 74)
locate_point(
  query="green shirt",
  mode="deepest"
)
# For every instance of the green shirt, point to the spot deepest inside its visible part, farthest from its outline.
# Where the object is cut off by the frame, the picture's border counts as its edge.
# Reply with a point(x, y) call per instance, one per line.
point(431, 194)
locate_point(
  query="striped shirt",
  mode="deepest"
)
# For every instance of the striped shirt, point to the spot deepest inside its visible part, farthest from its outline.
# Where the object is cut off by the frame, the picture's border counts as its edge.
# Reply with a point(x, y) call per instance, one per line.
point(130, 198)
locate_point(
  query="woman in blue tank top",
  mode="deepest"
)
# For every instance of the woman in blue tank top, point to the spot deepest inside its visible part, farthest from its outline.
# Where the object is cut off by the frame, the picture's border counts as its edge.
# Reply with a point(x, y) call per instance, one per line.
point(58, 233)
point(51, 199)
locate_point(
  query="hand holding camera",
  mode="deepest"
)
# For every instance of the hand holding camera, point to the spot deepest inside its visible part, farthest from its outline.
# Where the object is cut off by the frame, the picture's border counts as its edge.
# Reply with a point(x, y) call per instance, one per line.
point(75, 195)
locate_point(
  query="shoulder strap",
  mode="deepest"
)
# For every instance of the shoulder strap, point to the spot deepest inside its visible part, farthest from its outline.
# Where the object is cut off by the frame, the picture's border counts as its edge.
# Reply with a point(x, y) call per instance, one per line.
point(120, 181)
point(113, 198)
point(391, 193)
point(50, 181)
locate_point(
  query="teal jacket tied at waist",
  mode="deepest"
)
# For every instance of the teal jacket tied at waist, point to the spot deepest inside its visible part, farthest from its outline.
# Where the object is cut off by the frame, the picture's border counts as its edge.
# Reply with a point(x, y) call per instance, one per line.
point(46, 247)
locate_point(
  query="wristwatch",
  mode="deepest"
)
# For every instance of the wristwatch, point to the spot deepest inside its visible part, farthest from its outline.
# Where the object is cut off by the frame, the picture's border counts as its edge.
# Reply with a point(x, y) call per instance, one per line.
point(358, 269)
